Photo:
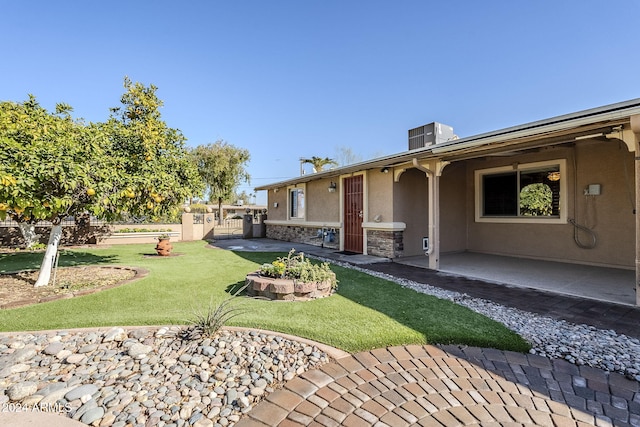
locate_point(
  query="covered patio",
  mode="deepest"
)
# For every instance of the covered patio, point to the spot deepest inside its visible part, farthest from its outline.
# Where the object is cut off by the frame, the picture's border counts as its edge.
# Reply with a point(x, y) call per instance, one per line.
point(611, 285)
point(615, 285)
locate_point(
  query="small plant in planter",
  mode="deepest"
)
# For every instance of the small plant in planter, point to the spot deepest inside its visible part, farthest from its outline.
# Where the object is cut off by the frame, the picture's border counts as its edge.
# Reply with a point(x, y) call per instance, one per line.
point(290, 278)
point(299, 268)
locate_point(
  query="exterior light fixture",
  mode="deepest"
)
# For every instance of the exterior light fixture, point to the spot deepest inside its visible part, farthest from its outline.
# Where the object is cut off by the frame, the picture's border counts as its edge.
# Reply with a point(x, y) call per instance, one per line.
point(553, 176)
point(332, 187)
point(385, 170)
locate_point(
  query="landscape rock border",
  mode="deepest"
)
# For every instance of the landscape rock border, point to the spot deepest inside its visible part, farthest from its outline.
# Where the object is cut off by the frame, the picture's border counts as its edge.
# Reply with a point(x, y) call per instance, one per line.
point(286, 289)
point(105, 375)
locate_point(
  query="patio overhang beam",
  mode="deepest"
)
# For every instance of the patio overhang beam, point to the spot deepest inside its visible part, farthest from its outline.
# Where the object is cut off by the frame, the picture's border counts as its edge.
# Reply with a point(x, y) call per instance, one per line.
point(531, 142)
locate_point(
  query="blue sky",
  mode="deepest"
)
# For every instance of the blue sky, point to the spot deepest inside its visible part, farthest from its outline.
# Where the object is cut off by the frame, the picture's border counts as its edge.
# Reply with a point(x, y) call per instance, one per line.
point(291, 79)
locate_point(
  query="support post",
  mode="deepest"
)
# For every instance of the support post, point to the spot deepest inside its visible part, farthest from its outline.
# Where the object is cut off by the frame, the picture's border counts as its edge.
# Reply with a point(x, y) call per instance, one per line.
point(433, 172)
point(187, 227)
point(434, 221)
point(635, 127)
point(209, 224)
point(637, 214)
point(247, 226)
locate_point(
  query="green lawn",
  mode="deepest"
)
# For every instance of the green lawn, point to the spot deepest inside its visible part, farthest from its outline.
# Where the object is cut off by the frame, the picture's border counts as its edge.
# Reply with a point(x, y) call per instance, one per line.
point(367, 312)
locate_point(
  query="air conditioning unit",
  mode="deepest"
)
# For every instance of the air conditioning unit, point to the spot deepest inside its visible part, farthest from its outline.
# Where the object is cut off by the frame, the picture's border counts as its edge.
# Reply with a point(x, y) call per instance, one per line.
point(431, 134)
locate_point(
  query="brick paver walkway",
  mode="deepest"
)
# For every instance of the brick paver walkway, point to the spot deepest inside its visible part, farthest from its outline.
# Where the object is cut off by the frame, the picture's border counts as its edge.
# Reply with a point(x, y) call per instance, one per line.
point(450, 386)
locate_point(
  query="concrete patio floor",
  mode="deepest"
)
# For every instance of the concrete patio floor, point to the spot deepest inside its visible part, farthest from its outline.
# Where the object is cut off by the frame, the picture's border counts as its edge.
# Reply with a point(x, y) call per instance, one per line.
point(614, 285)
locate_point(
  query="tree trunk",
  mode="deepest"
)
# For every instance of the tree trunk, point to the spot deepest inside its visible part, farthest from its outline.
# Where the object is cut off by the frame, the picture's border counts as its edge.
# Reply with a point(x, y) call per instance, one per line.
point(28, 234)
point(219, 211)
point(49, 256)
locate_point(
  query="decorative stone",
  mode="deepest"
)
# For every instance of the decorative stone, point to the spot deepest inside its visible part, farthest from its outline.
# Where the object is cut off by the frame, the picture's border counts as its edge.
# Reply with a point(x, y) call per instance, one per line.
point(260, 286)
point(23, 354)
point(115, 334)
point(75, 359)
point(53, 348)
point(21, 390)
point(282, 286)
point(305, 288)
point(80, 391)
point(324, 285)
point(285, 289)
point(139, 351)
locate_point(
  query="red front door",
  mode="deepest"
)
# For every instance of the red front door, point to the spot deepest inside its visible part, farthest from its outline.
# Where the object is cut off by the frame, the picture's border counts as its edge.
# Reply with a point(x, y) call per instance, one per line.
point(353, 191)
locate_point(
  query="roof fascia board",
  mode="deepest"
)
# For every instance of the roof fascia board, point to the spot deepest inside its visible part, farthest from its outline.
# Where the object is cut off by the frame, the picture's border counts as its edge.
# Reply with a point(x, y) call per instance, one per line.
point(567, 121)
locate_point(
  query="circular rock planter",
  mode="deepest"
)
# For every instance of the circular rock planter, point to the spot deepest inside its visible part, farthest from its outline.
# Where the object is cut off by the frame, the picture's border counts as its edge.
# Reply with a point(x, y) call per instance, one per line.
point(286, 289)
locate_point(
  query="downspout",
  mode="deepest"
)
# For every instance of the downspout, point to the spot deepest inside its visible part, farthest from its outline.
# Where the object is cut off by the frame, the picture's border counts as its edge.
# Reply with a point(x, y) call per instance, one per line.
point(433, 216)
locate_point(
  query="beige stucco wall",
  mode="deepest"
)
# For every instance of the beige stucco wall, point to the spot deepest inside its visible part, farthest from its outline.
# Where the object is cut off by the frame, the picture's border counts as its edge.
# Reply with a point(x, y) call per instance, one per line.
point(321, 205)
point(410, 206)
point(453, 207)
point(279, 212)
point(379, 201)
point(610, 215)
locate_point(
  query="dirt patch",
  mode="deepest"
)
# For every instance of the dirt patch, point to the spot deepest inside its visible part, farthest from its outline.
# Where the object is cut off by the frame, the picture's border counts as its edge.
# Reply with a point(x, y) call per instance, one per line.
point(16, 289)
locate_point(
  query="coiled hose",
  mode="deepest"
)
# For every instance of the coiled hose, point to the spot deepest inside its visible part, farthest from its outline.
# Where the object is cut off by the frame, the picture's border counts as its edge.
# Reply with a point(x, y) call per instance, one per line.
point(576, 229)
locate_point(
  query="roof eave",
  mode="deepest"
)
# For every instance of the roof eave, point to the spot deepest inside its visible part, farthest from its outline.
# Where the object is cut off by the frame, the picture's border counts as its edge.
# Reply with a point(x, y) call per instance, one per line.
point(610, 112)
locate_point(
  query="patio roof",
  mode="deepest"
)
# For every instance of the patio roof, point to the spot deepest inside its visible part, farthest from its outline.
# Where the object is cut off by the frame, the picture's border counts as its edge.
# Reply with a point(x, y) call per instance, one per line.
point(553, 131)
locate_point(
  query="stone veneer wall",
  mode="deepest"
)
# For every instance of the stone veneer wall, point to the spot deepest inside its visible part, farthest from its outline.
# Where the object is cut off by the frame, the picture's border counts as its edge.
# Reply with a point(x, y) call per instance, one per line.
point(307, 235)
point(385, 243)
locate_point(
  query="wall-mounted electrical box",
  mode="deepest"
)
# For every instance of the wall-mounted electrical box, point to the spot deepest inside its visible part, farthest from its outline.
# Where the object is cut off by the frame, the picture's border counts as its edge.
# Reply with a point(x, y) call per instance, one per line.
point(592, 190)
point(425, 243)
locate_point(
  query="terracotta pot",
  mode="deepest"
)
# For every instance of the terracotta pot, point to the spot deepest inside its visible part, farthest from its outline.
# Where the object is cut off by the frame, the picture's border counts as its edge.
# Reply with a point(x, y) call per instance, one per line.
point(163, 248)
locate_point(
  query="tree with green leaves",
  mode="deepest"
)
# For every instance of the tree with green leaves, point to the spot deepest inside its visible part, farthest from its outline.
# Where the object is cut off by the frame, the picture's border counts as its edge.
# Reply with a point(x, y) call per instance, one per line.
point(222, 168)
point(319, 163)
point(156, 173)
point(53, 167)
point(46, 171)
point(536, 200)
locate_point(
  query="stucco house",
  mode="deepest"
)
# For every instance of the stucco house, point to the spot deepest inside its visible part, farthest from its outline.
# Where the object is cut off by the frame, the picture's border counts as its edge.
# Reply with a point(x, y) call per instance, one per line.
point(564, 188)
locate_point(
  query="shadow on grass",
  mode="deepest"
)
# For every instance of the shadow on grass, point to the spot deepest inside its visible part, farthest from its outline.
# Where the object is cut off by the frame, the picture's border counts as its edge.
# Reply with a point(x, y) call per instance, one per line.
point(237, 289)
point(16, 261)
point(440, 321)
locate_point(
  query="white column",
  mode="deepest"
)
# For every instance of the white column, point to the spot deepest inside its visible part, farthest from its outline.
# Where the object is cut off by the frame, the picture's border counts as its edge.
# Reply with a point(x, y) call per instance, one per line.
point(434, 220)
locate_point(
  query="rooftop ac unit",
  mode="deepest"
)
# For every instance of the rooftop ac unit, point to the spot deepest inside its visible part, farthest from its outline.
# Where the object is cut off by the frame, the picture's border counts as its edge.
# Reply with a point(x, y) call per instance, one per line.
point(433, 133)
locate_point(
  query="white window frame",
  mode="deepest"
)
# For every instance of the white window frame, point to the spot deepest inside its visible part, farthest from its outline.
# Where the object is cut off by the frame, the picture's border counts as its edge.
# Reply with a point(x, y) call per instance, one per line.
point(302, 210)
point(564, 196)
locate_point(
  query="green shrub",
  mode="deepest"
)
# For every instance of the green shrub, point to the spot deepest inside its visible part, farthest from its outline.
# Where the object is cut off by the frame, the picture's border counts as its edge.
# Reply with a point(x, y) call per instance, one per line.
point(207, 323)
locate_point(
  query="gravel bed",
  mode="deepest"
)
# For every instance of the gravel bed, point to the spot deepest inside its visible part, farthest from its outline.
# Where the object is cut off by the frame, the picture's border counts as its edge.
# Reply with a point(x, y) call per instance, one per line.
point(556, 339)
point(147, 376)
